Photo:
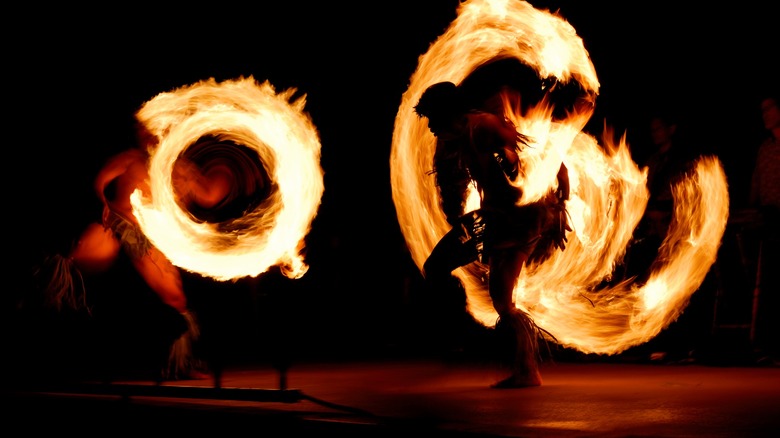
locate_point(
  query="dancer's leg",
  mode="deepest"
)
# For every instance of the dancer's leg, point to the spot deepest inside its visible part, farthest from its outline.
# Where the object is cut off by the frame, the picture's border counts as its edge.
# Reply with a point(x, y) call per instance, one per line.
point(165, 280)
point(505, 267)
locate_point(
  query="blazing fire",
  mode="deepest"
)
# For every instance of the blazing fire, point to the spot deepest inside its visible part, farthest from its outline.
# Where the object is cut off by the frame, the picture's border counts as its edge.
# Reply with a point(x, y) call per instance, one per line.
point(261, 135)
point(566, 295)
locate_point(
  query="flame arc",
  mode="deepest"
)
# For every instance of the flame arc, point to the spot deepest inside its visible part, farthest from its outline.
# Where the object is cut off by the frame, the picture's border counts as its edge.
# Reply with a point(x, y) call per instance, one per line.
point(566, 294)
point(265, 139)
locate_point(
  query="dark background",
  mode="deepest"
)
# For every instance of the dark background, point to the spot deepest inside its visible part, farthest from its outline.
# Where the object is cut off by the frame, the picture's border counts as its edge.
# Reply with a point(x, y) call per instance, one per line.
point(75, 77)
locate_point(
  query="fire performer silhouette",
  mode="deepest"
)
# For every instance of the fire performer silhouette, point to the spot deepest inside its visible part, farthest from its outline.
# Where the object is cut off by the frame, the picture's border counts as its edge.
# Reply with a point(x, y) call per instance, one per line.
point(100, 244)
point(203, 193)
point(480, 146)
point(565, 293)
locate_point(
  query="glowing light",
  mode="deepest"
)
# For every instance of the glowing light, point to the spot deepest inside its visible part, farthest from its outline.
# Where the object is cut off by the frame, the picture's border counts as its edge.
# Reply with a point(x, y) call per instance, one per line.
point(565, 294)
point(247, 114)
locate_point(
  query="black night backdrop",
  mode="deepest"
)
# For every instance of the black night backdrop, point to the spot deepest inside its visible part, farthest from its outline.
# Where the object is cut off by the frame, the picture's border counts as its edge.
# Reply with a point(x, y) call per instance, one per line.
point(75, 76)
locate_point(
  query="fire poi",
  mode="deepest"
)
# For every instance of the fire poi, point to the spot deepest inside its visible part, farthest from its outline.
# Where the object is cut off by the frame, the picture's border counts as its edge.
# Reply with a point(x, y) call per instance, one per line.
point(261, 135)
point(569, 294)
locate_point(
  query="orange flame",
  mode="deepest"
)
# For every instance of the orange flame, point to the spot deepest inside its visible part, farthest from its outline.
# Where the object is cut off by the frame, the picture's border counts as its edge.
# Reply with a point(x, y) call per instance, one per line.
point(249, 114)
point(565, 294)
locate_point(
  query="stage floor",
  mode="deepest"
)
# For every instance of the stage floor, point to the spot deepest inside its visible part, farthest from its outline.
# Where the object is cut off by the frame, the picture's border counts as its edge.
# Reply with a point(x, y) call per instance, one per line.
point(423, 397)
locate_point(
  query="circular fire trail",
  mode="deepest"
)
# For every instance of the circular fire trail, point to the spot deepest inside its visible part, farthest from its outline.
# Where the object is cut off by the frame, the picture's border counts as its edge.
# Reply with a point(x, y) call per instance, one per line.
point(571, 295)
point(273, 152)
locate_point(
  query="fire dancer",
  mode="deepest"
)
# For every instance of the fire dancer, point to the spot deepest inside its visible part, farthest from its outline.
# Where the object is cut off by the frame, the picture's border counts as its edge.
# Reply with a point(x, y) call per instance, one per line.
point(100, 244)
point(475, 145)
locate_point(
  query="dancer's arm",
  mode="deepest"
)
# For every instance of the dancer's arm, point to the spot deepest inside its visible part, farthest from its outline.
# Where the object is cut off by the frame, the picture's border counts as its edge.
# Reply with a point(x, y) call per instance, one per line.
point(114, 167)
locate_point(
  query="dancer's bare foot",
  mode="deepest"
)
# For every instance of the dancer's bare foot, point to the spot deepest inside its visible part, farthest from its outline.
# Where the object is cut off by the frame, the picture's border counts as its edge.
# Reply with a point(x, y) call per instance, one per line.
point(519, 381)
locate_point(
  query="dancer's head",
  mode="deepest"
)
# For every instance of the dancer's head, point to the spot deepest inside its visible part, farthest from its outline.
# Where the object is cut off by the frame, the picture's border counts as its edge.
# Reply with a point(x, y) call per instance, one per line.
point(441, 104)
